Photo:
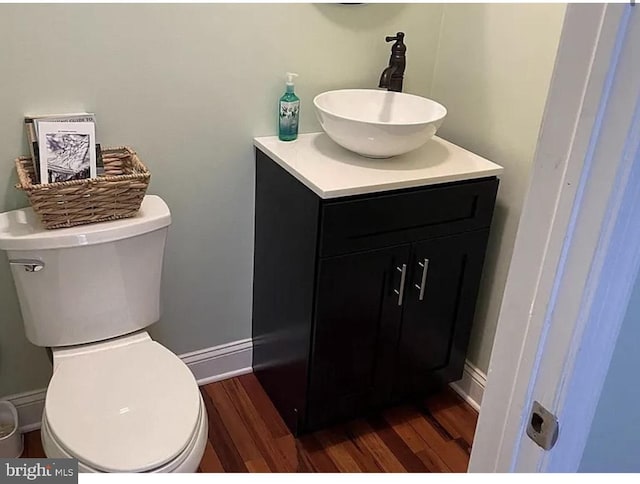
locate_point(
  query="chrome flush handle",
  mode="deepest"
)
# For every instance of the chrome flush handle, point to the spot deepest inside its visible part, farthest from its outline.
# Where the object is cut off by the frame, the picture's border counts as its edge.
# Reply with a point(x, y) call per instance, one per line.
point(29, 265)
point(403, 276)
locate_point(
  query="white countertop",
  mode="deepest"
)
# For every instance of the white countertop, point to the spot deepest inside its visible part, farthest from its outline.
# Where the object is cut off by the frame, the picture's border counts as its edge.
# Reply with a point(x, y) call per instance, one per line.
point(332, 171)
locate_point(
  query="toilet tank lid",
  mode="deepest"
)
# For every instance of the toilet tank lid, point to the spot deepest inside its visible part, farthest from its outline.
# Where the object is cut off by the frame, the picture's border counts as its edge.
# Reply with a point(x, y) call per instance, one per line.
point(21, 230)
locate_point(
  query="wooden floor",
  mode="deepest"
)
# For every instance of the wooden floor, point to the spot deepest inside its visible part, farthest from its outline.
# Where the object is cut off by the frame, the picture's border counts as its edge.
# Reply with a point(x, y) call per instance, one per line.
point(246, 434)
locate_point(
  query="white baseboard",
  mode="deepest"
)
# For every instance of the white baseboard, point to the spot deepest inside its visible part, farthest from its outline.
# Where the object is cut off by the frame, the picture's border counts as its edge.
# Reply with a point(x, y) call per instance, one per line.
point(208, 365)
point(29, 406)
point(220, 362)
point(471, 386)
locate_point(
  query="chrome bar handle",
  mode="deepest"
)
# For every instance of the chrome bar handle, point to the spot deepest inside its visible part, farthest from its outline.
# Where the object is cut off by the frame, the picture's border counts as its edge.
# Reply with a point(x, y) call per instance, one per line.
point(423, 281)
point(29, 265)
point(400, 290)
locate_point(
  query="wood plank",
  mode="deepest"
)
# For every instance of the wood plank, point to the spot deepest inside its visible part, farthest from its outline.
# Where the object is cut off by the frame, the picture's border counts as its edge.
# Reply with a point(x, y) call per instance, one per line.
point(465, 423)
point(33, 445)
point(437, 426)
point(294, 454)
point(273, 455)
point(401, 419)
point(441, 420)
point(236, 428)
point(221, 440)
point(466, 448)
point(303, 463)
point(265, 408)
point(333, 446)
point(410, 437)
point(400, 449)
point(210, 461)
point(257, 465)
point(365, 459)
point(454, 414)
point(319, 459)
point(402, 426)
point(365, 437)
point(456, 459)
point(432, 460)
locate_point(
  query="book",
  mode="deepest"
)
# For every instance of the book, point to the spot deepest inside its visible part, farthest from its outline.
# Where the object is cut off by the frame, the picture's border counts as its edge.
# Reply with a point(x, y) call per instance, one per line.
point(32, 141)
point(99, 161)
point(31, 127)
point(63, 118)
point(67, 151)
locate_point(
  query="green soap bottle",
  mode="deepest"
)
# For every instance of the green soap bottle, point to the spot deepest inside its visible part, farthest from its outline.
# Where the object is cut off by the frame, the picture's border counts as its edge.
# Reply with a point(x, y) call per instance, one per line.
point(289, 112)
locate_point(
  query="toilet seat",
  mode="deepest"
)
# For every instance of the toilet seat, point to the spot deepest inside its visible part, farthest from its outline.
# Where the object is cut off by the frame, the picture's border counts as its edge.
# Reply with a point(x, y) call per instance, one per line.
point(187, 461)
point(125, 405)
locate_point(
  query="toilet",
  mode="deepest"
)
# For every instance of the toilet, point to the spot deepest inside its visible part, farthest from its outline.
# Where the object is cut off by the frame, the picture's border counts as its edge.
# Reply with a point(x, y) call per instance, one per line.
point(118, 401)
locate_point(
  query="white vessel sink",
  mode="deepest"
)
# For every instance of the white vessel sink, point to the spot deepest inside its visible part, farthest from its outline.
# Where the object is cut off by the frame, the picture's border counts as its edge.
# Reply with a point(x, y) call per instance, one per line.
point(376, 123)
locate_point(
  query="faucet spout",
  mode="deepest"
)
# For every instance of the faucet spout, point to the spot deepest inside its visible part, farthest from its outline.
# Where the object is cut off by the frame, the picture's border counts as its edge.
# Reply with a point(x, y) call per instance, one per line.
point(385, 78)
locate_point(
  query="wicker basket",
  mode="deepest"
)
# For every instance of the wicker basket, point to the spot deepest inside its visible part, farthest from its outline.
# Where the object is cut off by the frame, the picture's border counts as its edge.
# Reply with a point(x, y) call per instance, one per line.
point(117, 194)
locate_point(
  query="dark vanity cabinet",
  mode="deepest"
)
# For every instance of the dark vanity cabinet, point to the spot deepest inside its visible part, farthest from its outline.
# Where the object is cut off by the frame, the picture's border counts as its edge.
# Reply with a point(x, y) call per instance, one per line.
point(365, 301)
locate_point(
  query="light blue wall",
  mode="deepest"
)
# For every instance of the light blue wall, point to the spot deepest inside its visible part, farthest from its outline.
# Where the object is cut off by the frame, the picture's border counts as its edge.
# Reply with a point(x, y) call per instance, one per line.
point(614, 440)
point(188, 86)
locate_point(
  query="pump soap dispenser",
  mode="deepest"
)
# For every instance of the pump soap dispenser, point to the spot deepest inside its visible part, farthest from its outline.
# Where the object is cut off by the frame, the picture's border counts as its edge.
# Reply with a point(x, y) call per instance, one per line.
point(289, 110)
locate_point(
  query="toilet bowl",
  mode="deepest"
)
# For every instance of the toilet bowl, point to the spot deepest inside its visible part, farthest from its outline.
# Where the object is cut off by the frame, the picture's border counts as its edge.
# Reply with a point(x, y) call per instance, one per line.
point(117, 401)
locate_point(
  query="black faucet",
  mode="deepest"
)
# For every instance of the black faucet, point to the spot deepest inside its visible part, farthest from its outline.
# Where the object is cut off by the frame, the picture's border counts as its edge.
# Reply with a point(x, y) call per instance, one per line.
point(392, 76)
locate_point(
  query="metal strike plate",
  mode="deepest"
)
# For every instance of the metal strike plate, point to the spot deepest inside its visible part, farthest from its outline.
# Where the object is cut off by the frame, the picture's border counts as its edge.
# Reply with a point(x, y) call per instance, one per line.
point(542, 427)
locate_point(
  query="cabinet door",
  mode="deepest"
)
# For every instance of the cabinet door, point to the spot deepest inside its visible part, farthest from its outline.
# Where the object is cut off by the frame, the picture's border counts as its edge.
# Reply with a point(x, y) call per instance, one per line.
point(438, 311)
point(357, 318)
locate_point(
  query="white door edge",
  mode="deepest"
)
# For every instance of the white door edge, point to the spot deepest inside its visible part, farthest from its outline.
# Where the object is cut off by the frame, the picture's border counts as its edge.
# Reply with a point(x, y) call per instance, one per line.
point(531, 355)
point(613, 245)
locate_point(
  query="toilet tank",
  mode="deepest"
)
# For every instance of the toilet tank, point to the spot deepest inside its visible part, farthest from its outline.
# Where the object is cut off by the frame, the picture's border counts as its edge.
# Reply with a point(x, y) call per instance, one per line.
point(87, 283)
